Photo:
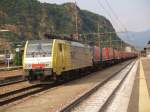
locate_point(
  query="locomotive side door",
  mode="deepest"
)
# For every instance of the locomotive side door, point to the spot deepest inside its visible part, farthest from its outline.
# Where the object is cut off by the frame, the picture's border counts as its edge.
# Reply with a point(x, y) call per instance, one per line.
point(60, 57)
point(66, 59)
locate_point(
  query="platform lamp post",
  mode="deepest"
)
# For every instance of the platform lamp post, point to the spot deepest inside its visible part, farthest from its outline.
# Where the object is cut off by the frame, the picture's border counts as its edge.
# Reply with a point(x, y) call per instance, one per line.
point(7, 56)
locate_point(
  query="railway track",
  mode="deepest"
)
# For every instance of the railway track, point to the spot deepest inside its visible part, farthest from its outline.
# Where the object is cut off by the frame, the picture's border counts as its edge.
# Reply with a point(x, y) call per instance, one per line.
point(11, 80)
point(21, 97)
point(10, 68)
point(13, 96)
point(97, 98)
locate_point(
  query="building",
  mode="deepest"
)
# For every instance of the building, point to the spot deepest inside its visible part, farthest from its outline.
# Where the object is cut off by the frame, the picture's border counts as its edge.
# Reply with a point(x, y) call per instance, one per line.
point(143, 53)
point(128, 49)
point(148, 49)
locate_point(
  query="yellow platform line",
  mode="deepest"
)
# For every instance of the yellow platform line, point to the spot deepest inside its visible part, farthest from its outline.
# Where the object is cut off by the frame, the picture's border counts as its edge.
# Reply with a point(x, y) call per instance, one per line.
point(144, 100)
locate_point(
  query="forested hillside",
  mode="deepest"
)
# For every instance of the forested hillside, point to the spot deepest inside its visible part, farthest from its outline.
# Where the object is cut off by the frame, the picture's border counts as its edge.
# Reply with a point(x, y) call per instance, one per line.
point(30, 19)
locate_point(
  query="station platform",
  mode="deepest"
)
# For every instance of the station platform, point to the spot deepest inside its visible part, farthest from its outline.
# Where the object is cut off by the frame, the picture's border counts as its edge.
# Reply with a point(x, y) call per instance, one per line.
point(140, 97)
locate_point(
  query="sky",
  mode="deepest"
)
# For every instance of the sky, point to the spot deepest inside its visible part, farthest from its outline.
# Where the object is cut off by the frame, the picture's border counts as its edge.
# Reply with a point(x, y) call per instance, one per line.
point(130, 15)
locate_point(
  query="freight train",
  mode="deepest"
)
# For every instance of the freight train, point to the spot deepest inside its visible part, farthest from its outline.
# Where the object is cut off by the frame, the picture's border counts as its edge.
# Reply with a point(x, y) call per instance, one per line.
point(49, 60)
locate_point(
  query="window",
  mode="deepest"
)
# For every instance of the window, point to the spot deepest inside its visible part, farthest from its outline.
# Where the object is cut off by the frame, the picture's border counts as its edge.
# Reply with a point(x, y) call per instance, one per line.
point(39, 49)
point(60, 47)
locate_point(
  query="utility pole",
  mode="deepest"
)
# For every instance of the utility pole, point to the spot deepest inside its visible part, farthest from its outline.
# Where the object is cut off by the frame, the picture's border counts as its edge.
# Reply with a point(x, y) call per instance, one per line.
point(98, 34)
point(110, 40)
point(121, 45)
point(85, 39)
point(76, 20)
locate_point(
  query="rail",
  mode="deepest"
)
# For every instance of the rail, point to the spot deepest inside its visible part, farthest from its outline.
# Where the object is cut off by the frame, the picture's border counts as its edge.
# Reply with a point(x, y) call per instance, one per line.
point(77, 101)
point(11, 80)
point(10, 68)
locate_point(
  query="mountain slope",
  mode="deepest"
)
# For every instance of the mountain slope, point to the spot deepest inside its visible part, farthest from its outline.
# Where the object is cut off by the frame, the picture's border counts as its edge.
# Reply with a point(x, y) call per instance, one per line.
point(30, 19)
point(139, 39)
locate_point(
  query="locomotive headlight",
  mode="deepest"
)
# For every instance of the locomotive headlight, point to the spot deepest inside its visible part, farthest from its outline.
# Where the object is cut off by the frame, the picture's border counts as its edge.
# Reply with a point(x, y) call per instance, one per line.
point(47, 65)
point(28, 66)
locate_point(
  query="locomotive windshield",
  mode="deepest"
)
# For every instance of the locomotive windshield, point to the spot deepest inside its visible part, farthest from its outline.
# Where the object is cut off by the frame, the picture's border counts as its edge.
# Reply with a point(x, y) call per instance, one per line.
point(39, 49)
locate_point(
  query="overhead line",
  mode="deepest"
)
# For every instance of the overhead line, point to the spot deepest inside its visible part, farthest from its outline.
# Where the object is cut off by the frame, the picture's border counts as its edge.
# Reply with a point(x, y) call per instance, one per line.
point(107, 12)
point(115, 15)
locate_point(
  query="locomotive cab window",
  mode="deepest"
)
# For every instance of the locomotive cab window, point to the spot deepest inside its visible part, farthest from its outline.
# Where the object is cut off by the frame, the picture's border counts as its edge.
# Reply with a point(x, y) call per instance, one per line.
point(60, 47)
point(39, 49)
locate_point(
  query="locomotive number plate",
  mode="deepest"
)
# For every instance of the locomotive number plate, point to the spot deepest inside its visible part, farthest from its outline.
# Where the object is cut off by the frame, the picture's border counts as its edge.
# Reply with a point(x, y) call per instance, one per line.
point(41, 66)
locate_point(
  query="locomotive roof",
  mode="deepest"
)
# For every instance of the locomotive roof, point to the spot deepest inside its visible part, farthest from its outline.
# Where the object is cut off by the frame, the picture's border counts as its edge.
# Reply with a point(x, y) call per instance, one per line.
point(39, 41)
point(73, 43)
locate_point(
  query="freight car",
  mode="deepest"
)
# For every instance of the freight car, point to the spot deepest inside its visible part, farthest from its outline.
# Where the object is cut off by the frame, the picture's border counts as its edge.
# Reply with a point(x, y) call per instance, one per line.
point(46, 60)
